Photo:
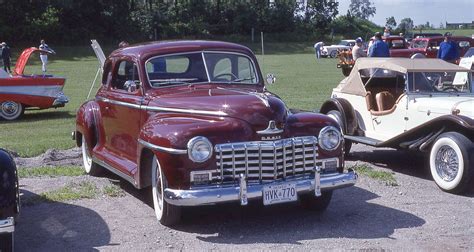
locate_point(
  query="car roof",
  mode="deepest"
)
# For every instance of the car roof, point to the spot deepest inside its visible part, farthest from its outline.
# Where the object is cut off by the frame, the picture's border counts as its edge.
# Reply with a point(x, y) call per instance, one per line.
point(353, 84)
point(146, 50)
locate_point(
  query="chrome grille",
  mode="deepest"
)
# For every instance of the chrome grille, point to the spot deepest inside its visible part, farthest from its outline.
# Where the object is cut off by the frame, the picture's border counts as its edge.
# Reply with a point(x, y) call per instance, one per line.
point(264, 161)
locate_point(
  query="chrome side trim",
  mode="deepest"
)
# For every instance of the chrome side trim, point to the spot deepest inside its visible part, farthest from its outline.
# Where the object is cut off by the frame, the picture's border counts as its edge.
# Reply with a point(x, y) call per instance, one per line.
point(209, 195)
point(7, 225)
point(190, 111)
point(44, 90)
point(115, 171)
point(161, 148)
point(163, 109)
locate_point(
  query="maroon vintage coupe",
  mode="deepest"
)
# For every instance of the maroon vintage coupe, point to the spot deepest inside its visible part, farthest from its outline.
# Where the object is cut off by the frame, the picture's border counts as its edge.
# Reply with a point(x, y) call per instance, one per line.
point(193, 121)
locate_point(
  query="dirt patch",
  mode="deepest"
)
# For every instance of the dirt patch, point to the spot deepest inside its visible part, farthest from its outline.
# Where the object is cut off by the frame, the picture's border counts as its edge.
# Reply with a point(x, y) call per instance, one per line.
point(51, 157)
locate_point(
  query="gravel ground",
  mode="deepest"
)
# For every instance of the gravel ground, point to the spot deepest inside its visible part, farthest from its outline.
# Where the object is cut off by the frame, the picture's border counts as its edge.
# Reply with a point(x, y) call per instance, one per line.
point(415, 215)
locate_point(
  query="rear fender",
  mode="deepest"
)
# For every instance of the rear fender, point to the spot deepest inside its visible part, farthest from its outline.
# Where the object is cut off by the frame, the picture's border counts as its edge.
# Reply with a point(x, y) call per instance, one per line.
point(87, 124)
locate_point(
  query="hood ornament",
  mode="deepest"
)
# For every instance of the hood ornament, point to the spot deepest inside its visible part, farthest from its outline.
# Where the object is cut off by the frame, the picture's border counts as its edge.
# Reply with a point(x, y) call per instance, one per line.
point(271, 129)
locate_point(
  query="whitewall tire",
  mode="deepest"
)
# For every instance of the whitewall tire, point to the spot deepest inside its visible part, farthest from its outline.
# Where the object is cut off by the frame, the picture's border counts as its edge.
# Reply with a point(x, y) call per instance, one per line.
point(165, 213)
point(10, 110)
point(450, 162)
point(90, 167)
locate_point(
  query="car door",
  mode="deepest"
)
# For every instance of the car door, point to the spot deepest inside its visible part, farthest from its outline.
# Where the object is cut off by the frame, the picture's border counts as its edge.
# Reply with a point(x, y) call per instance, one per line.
point(121, 111)
point(390, 120)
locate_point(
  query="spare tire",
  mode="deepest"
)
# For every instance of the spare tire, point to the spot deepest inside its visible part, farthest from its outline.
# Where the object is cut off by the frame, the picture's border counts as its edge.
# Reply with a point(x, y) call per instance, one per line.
point(9, 191)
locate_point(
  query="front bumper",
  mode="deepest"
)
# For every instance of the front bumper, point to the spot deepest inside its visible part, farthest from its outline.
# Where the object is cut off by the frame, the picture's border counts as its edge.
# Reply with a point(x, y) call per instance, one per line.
point(60, 100)
point(242, 192)
point(7, 225)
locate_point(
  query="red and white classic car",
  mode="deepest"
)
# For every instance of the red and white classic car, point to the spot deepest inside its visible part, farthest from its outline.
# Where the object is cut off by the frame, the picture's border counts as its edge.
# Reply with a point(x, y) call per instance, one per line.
point(192, 121)
point(20, 91)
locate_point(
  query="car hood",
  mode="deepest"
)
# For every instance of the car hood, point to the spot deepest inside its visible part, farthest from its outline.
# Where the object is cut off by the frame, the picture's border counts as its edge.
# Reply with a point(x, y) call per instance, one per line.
point(446, 105)
point(255, 107)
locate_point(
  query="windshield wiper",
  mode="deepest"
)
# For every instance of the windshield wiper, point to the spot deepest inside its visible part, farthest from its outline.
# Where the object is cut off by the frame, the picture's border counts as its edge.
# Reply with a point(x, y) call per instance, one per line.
point(171, 82)
point(241, 79)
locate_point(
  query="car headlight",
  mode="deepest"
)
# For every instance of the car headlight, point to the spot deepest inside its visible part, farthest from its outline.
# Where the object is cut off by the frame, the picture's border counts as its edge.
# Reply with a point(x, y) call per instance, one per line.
point(199, 149)
point(329, 138)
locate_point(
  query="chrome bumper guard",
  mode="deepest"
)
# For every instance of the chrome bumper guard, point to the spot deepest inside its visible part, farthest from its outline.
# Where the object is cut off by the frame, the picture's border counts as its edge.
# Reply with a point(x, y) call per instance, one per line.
point(243, 192)
point(7, 225)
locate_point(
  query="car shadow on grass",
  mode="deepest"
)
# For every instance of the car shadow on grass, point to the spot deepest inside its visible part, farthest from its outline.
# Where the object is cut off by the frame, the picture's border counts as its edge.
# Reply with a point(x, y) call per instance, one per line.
point(349, 215)
point(59, 226)
point(411, 163)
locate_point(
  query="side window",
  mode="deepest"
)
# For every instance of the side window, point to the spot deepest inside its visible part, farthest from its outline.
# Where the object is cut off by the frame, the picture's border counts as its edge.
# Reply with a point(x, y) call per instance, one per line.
point(126, 71)
point(107, 73)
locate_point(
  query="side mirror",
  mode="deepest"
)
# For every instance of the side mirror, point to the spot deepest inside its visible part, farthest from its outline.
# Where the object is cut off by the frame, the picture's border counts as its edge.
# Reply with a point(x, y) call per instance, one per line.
point(271, 78)
point(130, 86)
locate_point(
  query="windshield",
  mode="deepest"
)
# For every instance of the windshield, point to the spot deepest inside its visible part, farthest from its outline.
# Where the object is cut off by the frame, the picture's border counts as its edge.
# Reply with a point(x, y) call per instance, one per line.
point(419, 44)
point(343, 43)
point(440, 82)
point(199, 67)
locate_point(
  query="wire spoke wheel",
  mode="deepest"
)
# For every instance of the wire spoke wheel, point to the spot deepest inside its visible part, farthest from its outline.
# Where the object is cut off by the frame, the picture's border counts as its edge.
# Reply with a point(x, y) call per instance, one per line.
point(450, 159)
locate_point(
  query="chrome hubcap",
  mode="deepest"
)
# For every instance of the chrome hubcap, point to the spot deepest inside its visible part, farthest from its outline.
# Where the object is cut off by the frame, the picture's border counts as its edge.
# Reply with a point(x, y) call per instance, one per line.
point(10, 108)
point(447, 163)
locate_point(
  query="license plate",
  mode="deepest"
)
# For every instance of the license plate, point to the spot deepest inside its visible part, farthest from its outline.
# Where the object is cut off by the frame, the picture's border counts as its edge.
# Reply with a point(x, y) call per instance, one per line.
point(274, 194)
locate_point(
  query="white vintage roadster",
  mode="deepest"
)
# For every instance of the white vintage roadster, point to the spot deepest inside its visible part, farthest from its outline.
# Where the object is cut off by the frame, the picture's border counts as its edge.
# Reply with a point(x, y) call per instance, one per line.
point(417, 104)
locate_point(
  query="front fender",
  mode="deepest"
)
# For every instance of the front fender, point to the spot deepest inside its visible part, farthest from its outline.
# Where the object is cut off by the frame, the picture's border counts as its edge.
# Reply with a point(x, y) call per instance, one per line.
point(422, 136)
point(174, 132)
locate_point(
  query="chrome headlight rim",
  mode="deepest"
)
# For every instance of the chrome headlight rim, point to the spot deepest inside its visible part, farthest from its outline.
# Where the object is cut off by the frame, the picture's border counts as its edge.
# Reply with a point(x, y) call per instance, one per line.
point(193, 142)
point(324, 131)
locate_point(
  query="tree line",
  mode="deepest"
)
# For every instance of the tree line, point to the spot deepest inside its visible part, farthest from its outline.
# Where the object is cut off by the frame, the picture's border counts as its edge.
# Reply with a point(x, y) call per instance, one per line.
point(71, 22)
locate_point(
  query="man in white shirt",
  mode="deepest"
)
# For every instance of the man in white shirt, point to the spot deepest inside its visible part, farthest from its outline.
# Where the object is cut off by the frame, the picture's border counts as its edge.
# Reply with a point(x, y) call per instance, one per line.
point(43, 55)
point(358, 50)
point(317, 49)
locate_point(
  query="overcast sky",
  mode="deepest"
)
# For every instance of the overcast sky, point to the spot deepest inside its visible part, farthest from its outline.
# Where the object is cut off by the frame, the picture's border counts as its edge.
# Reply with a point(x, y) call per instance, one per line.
point(420, 11)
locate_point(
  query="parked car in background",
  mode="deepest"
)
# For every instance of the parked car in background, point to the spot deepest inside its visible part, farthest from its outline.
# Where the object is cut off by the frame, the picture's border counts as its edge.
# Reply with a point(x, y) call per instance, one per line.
point(469, 53)
point(9, 200)
point(428, 46)
point(193, 121)
point(20, 91)
point(422, 105)
point(331, 51)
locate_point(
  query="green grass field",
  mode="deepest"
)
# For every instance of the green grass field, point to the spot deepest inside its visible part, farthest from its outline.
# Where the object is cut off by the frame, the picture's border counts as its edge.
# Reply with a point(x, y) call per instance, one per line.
point(302, 82)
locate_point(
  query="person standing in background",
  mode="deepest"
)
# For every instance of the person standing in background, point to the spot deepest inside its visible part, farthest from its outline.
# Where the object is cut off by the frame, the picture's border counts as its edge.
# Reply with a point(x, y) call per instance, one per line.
point(6, 57)
point(448, 49)
point(44, 55)
point(358, 50)
point(379, 48)
point(317, 49)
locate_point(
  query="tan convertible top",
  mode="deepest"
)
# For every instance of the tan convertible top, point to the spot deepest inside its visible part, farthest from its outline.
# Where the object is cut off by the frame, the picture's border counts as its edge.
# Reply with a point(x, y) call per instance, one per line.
point(353, 83)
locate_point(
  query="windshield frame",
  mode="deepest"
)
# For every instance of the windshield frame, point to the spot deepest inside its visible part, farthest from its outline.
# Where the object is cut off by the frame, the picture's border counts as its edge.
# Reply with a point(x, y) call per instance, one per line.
point(202, 52)
point(441, 92)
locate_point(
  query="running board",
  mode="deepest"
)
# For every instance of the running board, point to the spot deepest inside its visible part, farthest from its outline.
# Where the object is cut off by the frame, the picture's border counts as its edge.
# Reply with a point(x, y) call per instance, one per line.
point(363, 139)
point(114, 171)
